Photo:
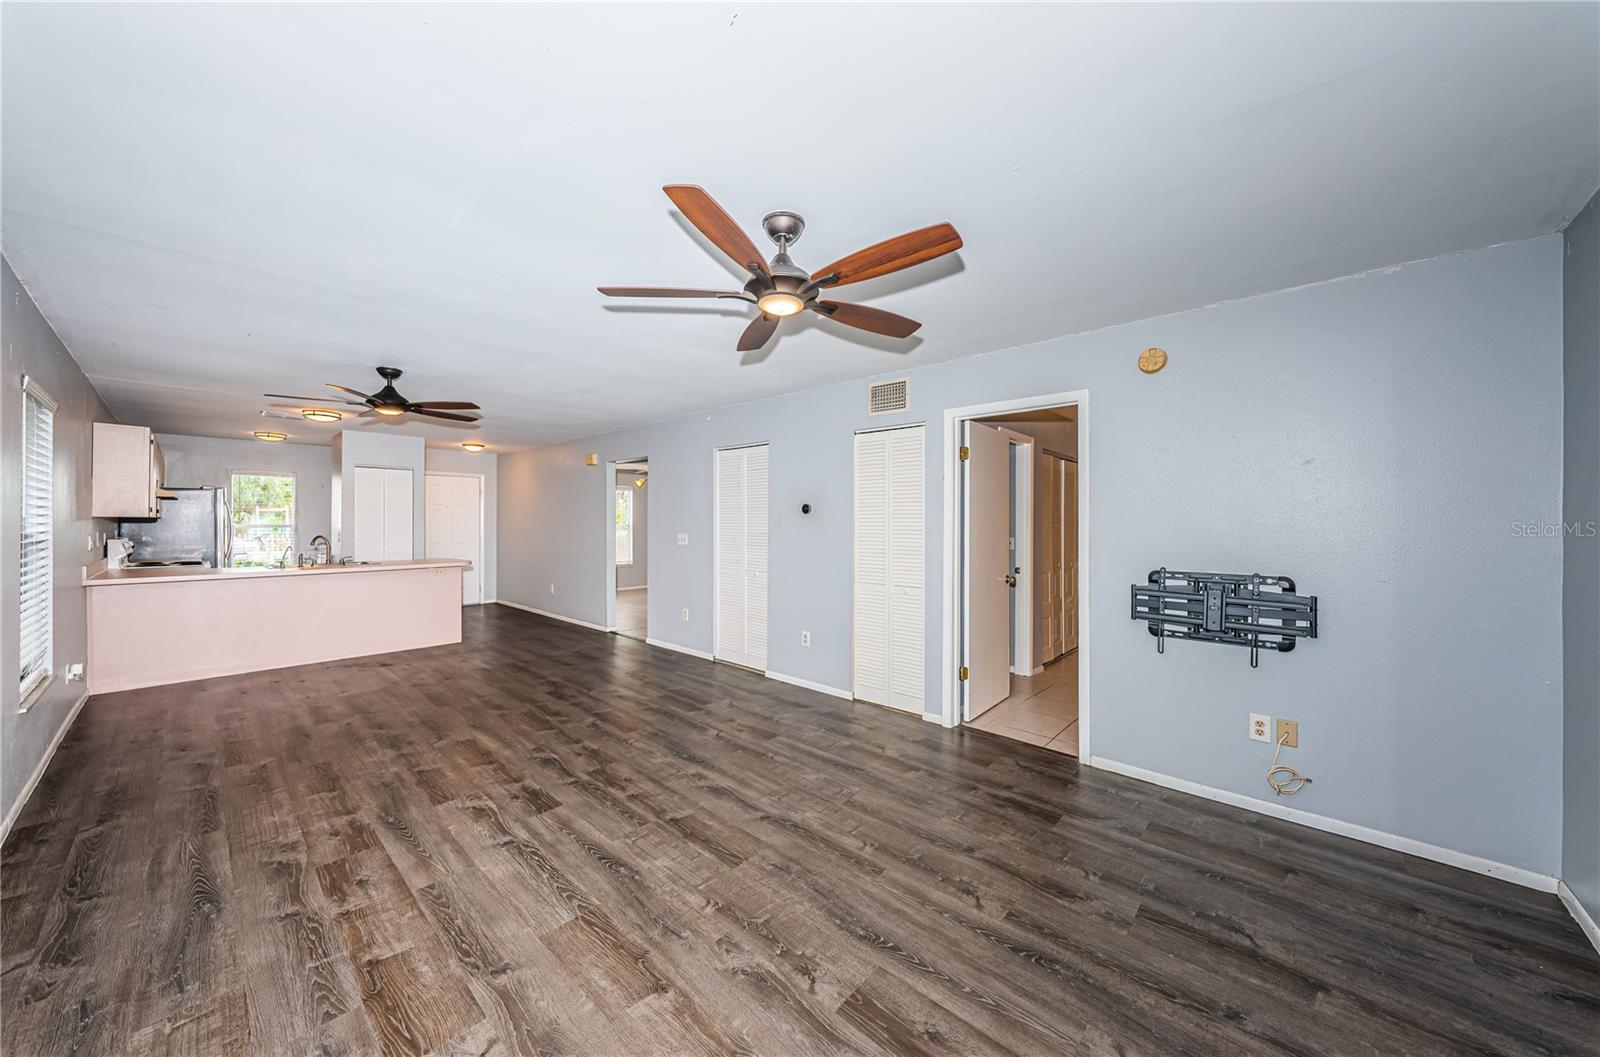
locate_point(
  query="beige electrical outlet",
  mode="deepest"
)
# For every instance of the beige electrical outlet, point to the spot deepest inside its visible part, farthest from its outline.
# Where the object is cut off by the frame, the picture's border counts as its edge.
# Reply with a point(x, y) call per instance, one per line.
point(1288, 734)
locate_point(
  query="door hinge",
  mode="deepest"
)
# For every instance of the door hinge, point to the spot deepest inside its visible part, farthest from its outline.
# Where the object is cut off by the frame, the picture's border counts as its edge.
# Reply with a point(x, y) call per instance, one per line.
point(966, 453)
point(963, 673)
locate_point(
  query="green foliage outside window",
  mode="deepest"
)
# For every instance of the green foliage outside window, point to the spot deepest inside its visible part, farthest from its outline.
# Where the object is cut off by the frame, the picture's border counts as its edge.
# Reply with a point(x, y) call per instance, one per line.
point(263, 518)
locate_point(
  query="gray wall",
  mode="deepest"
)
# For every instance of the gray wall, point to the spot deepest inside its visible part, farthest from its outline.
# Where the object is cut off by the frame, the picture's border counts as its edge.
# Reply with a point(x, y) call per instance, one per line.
point(196, 461)
point(28, 346)
point(637, 574)
point(1580, 590)
point(1375, 437)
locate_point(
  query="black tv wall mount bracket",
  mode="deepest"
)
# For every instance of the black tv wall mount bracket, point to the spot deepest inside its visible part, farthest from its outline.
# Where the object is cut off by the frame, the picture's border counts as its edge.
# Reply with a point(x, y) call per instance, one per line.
point(1238, 609)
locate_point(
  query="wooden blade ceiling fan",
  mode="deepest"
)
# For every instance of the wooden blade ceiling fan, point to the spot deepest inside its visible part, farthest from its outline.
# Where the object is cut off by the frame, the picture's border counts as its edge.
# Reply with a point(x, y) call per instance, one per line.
point(779, 288)
point(388, 401)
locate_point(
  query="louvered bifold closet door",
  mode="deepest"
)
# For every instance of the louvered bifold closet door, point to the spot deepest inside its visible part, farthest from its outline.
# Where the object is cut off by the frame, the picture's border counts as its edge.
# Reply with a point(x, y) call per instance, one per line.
point(889, 568)
point(741, 633)
point(730, 555)
point(872, 568)
point(38, 516)
point(1047, 553)
point(755, 557)
point(907, 535)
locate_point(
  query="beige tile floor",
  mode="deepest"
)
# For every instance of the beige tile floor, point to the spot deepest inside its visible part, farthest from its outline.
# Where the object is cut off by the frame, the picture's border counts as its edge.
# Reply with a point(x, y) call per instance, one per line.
point(1041, 710)
point(631, 607)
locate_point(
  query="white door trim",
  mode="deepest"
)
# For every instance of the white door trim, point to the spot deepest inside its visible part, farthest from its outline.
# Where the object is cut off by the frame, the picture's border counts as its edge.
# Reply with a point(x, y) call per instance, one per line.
point(950, 465)
point(483, 518)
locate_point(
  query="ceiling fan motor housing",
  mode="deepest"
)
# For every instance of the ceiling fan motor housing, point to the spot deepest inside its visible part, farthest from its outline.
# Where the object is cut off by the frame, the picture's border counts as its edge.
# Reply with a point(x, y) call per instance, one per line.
point(784, 227)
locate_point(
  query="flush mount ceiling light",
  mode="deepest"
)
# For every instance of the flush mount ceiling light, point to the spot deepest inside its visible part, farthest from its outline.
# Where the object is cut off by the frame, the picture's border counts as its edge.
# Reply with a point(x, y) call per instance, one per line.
point(474, 446)
point(269, 436)
point(320, 414)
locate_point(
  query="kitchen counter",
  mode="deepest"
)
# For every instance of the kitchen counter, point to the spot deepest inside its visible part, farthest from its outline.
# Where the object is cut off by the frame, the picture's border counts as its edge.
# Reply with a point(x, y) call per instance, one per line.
point(173, 624)
point(184, 573)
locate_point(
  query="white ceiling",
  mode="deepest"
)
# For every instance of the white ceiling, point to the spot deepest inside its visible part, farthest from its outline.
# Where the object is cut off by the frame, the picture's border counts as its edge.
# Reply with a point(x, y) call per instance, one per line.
point(213, 201)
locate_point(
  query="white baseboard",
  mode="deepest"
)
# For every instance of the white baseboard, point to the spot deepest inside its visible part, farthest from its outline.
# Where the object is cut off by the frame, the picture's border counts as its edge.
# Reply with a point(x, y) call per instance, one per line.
point(554, 616)
point(673, 646)
point(1506, 872)
point(807, 684)
point(1580, 914)
point(640, 587)
point(38, 772)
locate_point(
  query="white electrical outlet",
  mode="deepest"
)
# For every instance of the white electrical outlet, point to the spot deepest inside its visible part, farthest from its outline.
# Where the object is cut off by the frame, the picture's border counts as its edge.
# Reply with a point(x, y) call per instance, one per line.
point(1260, 727)
point(683, 539)
point(805, 638)
point(686, 616)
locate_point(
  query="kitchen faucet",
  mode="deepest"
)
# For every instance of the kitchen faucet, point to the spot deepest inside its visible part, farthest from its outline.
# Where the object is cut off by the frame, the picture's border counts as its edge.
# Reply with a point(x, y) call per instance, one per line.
point(321, 550)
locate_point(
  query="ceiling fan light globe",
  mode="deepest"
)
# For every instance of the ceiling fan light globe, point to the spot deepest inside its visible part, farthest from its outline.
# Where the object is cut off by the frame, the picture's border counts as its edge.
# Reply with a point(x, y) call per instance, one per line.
point(390, 410)
point(780, 304)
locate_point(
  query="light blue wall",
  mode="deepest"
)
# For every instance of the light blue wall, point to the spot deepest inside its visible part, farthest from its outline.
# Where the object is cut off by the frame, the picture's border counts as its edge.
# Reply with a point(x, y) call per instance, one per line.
point(1376, 437)
point(28, 346)
point(1580, 593)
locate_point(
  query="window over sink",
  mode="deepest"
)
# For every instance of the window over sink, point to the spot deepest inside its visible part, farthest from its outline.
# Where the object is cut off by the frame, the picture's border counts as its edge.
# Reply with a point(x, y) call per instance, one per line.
point(263, 519)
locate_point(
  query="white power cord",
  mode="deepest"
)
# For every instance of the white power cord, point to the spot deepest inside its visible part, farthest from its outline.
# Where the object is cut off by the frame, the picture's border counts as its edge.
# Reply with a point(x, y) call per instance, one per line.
point(1285, 780)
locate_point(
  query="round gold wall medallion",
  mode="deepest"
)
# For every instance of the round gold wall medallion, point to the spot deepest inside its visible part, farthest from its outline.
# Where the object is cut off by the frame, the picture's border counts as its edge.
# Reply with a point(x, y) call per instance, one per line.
point(1152, 360)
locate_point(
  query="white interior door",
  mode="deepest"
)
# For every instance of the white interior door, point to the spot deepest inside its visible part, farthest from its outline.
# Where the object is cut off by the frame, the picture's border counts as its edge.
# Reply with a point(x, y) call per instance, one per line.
point(890, 549)
point(454, 520)
point(741, 556)
point(988, 568)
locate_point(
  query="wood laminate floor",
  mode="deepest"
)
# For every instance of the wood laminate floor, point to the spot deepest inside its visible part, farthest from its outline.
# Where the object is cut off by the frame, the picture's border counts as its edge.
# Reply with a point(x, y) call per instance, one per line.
point(548, 840)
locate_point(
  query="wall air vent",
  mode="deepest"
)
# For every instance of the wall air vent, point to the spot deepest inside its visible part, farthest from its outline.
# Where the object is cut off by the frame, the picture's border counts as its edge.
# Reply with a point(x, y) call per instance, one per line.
point(272, 412)
point(888, 398)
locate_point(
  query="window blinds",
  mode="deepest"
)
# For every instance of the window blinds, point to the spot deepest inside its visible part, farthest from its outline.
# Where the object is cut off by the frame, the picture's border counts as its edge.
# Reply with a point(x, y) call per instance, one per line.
point(38, 507)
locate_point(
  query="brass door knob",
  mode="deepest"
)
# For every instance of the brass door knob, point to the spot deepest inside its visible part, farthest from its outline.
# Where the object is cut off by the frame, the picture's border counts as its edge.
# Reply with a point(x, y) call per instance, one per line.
point(1011, 581)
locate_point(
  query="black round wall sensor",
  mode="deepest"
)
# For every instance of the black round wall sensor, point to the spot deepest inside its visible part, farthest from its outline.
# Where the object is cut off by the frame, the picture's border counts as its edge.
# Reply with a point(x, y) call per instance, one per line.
point(805, 508)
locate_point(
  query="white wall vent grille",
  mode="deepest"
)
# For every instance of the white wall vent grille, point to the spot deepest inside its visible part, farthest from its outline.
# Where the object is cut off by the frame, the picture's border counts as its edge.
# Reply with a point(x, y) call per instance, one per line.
point(888, 398)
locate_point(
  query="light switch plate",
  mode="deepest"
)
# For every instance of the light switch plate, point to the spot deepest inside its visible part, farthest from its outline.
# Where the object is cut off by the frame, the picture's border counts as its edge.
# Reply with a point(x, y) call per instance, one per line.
point(686, 616)
point(683, 539)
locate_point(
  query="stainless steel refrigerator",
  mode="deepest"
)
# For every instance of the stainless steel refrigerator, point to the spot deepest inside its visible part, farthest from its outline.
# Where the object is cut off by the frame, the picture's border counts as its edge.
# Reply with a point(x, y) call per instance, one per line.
point(193, 529)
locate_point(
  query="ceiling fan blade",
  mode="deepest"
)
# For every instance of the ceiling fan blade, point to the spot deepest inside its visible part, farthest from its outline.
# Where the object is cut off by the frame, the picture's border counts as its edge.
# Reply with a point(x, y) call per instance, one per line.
point(891, 255)
point(865, 317)
point(701, 210)
point(315, 400)
point(662, 291)
point(347, 389)
point(452, 416)
point(758, 333)
point(446, 405)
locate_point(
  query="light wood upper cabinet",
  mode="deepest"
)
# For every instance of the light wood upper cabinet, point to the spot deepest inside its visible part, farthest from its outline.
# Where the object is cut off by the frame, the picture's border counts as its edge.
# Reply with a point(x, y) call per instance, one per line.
point(128, 472)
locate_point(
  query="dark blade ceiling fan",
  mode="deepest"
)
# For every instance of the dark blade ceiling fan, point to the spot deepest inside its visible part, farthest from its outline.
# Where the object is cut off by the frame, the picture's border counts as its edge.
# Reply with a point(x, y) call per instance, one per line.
point(779, 288)
point(387, 401)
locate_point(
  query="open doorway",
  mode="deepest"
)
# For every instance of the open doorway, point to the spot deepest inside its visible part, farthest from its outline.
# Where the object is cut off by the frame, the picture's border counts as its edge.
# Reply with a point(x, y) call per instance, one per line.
point(1018, 550)
point(631, 517)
